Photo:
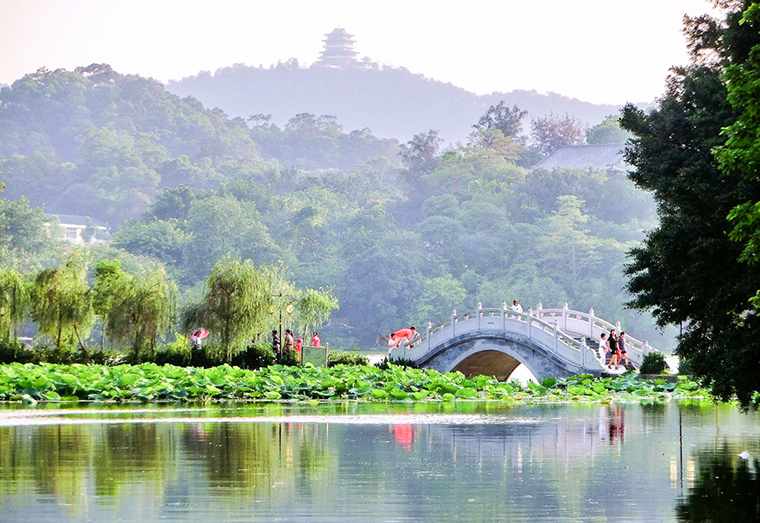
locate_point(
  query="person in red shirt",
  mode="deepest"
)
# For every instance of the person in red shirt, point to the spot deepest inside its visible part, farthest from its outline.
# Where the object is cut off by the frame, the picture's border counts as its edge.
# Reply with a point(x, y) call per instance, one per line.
point(315, 340)
point(400, 334)
point(299, 344)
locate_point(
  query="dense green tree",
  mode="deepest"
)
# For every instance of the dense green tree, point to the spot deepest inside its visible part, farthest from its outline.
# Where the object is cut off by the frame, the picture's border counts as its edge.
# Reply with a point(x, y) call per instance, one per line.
point(239, 303)
point(94, 142)
point(740, 156)
point(110, 283)
point(163, 240)
point(608, 131)
point(420, 154)
point(380, 286)
point(142, 308)
point(222, 225)
point(314, 307)
point(24, 232)
point(438, 298)
point(62, 301)
point(14, 301)
point(688, 271)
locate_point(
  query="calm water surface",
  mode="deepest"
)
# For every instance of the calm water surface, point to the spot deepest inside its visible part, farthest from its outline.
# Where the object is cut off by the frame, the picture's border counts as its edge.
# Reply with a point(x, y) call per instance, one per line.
point(377, 462)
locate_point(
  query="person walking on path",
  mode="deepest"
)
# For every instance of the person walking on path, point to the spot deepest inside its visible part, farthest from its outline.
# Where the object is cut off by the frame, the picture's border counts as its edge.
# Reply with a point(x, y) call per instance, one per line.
point(315, 340)
point(622, 354)
point(613, 341)
point(288, 340)
point(276, 345)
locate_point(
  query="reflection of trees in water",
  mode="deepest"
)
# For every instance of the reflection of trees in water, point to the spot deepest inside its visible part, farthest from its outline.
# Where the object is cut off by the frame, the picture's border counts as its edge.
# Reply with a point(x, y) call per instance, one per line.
point(259, 458)
point(727, 488)
point(59, 460)
point(577, 461)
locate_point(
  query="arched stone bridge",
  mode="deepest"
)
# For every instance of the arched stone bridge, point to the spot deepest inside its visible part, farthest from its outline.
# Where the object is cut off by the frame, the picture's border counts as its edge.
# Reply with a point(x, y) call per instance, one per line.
point(549, 342)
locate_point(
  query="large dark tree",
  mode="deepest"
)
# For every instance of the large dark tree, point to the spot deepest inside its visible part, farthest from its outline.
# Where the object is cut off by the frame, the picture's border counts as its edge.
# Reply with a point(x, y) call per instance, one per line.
point(688, 271)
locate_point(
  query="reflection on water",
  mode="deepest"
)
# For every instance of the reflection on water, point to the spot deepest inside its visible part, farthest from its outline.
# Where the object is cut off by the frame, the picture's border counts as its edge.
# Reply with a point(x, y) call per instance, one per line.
point(379, 462)
point(727, 488)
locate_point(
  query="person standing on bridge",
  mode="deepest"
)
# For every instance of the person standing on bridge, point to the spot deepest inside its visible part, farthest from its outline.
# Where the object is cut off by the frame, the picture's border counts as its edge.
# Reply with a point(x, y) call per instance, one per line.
point(516, 307)
point(623, 355)
point(615, 360)
point(604, 348)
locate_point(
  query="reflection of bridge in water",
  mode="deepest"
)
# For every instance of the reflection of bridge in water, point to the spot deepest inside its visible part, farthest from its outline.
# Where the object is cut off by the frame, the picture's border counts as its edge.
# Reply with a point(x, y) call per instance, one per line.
point(549, 342)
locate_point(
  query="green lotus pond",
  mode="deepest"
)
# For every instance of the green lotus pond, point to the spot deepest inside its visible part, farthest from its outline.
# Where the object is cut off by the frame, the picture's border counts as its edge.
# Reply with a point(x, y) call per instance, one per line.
point(150, 382)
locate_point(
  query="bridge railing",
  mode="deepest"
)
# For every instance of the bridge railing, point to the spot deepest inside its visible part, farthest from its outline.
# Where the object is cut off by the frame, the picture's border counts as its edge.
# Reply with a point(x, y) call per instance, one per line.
point(588, 324)
point(564, 346)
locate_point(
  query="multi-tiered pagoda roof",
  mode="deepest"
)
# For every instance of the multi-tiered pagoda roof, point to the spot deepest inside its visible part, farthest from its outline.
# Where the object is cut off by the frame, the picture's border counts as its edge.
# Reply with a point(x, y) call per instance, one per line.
point(339, 50)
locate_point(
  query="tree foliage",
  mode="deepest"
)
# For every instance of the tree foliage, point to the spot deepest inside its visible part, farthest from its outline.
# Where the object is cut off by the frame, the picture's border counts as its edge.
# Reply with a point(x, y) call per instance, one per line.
point(14, 301)
point(688, 270)
point(142, 308)
point(239, 303)
point(314, 308)
point(550, 132)
point(608, 131)
point(62, 301)
point(420, 154)
point(501, 117)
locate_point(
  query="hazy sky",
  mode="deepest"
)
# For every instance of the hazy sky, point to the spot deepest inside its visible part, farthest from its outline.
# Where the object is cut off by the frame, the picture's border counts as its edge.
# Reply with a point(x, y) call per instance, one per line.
point(602, 51)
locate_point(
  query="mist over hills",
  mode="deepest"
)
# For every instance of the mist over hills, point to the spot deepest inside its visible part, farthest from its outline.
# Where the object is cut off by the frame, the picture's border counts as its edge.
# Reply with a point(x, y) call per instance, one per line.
point(392, 102)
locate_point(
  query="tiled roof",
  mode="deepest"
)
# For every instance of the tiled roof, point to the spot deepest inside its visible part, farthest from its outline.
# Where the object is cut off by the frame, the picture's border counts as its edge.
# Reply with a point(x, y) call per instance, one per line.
point(607, 156)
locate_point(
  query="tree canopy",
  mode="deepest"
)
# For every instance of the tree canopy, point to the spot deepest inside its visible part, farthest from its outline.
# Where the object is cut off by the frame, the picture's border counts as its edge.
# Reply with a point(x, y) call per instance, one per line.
point(688, 271)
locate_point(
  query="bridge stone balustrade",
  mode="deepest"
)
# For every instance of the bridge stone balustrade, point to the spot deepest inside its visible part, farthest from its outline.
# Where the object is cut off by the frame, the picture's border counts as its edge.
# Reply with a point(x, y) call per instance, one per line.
point(586, 324)
point(495, 341)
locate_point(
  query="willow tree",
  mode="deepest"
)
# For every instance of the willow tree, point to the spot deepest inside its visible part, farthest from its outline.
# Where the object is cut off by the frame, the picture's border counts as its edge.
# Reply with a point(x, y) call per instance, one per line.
point(110, 283)
point(14, 301)
point(314, 308)
point(240, 302)
point(62, 301)
point(142, 307)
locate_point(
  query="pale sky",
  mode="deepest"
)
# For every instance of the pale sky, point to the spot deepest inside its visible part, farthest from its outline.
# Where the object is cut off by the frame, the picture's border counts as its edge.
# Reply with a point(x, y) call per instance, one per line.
point(601, 51)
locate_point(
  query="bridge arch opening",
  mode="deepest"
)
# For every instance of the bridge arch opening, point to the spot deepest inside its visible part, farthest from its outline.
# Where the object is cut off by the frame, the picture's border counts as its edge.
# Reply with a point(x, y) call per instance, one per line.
point(494, 363)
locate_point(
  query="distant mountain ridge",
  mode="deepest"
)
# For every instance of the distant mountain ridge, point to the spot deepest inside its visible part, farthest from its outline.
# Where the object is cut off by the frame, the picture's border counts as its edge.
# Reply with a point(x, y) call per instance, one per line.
point(392, 102)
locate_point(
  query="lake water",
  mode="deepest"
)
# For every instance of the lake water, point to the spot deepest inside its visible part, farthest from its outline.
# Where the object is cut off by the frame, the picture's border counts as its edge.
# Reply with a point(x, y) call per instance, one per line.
point(380, 462)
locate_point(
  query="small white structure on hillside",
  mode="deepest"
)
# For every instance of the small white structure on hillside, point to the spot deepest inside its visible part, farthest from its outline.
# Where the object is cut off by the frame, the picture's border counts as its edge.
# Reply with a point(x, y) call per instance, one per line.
point(80, 229)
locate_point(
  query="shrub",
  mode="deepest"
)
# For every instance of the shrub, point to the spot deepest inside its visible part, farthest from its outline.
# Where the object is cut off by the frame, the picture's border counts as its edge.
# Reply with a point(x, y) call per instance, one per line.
point(177, 352)
point(291, 358)
point(684, 367)
point(346, 358)
point(653, 363)
point(255, 356)
point(401, 362)
point(11, 349)
point(110, 358)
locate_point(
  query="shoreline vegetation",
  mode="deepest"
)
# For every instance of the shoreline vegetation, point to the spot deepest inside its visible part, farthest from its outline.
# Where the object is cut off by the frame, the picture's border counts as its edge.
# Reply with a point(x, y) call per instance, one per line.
point(148, 382)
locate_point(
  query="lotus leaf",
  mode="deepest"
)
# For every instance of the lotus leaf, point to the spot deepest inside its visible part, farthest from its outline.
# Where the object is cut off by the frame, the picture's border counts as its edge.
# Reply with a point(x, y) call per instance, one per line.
point(467, 392)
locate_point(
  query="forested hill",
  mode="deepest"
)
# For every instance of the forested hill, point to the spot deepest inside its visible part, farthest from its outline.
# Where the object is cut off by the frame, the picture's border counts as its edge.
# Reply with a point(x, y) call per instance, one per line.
point(392, 102)
point(97, 143)
point(403, 233)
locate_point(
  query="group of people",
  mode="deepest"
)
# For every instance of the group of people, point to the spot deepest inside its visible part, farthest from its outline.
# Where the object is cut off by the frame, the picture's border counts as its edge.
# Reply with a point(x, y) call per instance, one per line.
point(291, 342)
point(395, 339)
point(615, 346)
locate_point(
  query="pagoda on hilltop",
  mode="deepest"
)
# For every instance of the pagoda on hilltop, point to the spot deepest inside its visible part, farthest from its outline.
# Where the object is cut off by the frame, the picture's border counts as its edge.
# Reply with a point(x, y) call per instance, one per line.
point(339, 52)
